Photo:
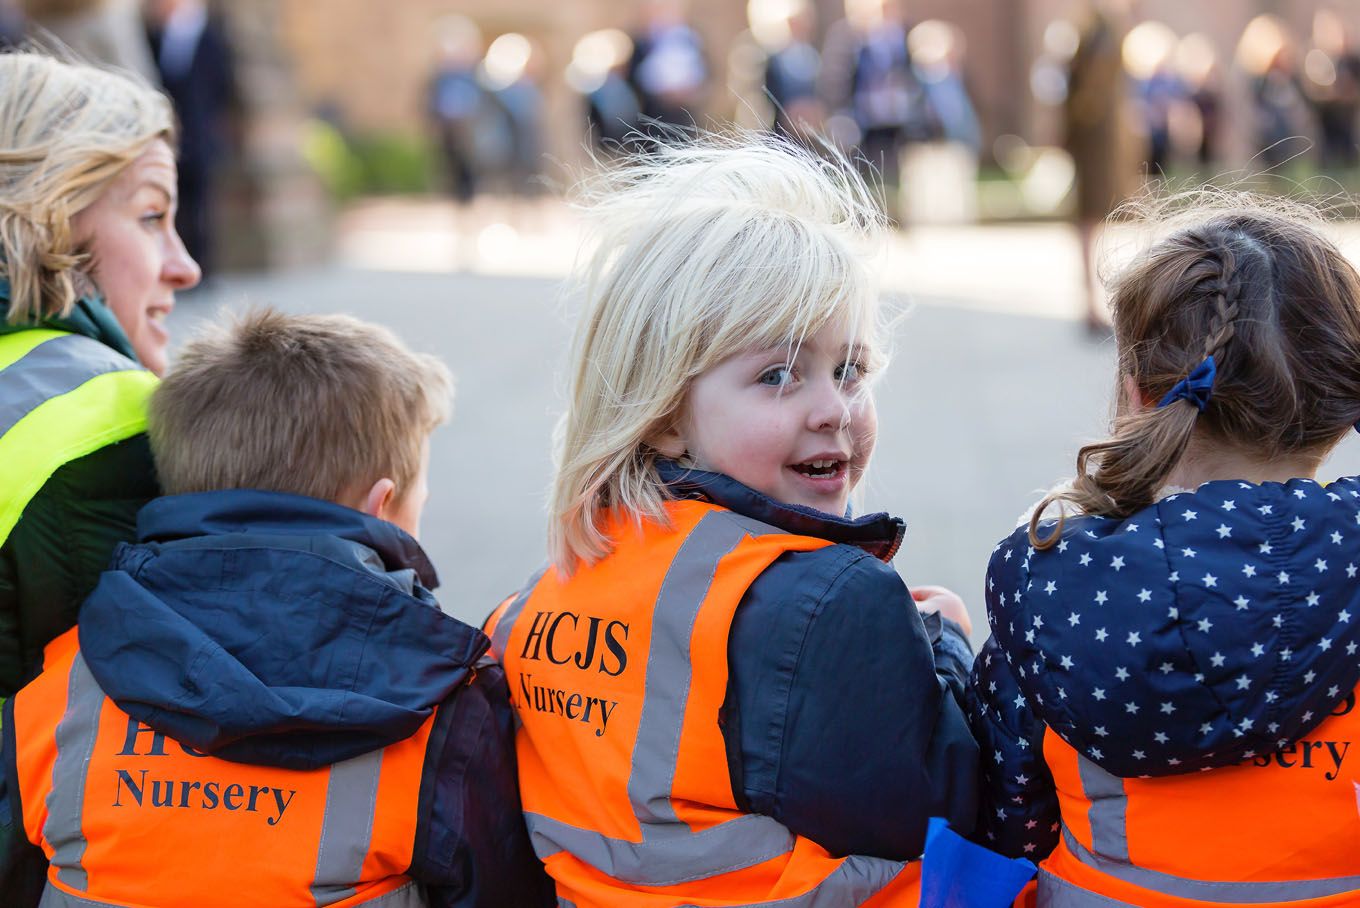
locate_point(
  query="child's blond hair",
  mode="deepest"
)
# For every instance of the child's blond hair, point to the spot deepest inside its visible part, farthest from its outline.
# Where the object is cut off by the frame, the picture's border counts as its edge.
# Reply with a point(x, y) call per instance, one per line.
point(704, 250)
point(318, 405)
point(66, 131)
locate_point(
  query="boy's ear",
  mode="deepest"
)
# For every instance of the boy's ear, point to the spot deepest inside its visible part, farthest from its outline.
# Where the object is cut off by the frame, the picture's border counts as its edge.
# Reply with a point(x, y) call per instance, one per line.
point(380, 499)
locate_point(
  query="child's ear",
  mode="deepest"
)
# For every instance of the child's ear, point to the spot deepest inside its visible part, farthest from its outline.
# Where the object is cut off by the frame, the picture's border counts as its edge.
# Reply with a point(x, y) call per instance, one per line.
point(1133, 396)
point(380, 499)
point(669, 442)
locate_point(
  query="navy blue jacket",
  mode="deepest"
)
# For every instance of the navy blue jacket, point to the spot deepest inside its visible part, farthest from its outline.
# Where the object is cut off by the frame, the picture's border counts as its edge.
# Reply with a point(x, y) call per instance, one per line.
point(843, 718)
point(279, 630)
point(1204, 630)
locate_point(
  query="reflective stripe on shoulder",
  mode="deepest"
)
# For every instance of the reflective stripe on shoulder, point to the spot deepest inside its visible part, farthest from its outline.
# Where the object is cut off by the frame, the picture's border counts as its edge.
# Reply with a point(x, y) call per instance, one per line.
point(62, 399)
point(74, 738)
point(55, 367)
point(1232, 893)
point(346, 827)
point(506, 624)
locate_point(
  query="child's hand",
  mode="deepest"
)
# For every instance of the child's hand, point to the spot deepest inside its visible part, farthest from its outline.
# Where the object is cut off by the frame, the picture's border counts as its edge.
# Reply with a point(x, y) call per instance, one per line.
point(930, 599)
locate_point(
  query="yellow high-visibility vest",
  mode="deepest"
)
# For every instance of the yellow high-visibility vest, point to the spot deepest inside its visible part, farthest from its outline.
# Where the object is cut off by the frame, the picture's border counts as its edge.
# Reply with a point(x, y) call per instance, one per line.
point(62, 396)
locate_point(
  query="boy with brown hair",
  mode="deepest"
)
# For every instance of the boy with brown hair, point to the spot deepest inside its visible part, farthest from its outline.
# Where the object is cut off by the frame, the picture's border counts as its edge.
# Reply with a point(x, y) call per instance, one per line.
point(263, 703)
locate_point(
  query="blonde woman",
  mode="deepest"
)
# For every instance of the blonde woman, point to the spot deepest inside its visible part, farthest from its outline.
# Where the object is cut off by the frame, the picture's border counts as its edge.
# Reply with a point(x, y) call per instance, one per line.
point(89, 267)
point(727, 696)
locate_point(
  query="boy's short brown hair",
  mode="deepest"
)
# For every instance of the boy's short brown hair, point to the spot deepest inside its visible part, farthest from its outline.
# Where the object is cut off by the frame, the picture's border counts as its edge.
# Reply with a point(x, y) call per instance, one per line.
point(318, 405)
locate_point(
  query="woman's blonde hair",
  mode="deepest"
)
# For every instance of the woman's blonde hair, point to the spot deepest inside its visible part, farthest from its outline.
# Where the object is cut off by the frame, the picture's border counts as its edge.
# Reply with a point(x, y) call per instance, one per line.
point(1255, 284)
point(704, 250)
point(66, 130)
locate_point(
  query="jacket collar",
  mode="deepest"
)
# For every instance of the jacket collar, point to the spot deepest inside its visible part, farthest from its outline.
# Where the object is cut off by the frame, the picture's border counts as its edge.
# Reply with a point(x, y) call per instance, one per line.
point(88, 317)
point(878, 534)
point(279, 514)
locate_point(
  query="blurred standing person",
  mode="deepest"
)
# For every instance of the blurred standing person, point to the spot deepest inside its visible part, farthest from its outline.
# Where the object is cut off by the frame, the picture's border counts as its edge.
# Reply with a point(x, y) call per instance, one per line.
point(1096, 134)
point(195, 64)
point(668, 71)
point(598, 72)
point(868, 77)
point(1332, 80)
point(105, 32)
point(455, 103)
point(12, 24)
point(791, 71)
point(508, 74)
point(1266, 52)
point(937, 51)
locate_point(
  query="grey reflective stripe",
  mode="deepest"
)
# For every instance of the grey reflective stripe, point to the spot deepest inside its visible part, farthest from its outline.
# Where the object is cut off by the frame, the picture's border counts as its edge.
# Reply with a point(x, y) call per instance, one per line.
point(1055, 892)
point(669, 668)
point(669, 853)
point(75, 736)
point(1232, 893)
point(346, 826)
point(511, 614)
point(854, 882)
point(51, 369)
point(1109, 810)
point(407, 896)
point(53, 897)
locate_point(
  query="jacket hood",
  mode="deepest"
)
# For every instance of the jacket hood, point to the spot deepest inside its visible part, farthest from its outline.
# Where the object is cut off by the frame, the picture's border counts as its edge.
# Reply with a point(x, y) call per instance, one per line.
point(878, 534)
point(273, 629)
point(1199, 631)
point(88, 317)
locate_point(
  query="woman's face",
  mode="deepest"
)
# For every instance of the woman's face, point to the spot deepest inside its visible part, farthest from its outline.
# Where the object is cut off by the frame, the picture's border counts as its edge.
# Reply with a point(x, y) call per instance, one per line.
point(137, 259)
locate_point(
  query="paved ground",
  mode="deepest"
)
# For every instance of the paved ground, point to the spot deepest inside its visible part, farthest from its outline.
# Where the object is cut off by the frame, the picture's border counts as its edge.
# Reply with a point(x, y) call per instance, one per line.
point(993, 384)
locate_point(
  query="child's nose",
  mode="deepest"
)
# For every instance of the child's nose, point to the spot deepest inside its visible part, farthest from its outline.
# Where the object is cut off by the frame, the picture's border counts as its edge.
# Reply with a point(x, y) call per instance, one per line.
point(831, 408)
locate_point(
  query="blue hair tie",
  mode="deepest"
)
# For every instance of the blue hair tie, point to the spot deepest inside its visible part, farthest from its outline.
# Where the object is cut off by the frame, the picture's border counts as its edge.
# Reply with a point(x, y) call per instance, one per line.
point(1197, 387)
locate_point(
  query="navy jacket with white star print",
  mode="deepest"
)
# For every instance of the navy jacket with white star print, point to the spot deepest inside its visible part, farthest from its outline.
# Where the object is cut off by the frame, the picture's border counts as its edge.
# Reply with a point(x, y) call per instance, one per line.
point(1202, 630)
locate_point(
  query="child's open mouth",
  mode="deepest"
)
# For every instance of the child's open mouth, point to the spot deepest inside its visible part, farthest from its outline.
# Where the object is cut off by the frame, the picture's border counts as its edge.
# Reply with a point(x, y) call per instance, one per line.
point(820, 469)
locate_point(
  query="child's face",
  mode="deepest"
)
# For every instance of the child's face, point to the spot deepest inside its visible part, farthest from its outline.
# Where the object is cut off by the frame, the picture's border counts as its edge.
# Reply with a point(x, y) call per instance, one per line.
point(800, 430)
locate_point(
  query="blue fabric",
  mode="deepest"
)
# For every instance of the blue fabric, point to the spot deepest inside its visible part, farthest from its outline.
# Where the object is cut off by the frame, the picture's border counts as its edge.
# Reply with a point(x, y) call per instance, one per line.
point(268, 628)
point(1197, 387)
point(955, 873)
point(1199, 632)
point(843, 716)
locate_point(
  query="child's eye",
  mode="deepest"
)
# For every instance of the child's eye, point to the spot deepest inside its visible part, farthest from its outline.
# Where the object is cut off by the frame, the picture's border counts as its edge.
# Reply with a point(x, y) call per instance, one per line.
point(852, 371)
point(776, 376)
point(153, 217)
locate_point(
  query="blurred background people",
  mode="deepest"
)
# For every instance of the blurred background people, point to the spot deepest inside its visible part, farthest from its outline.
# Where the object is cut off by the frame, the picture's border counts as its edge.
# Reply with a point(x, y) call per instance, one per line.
point(669, 70)
point(868, 77)
point(1096, 133)
point(98, 31)
point(792, 66)
point(598, 73)
point(1281, 116)
point(194, 61)
point(456, 105)
point(1332, 84)
point(509, 74)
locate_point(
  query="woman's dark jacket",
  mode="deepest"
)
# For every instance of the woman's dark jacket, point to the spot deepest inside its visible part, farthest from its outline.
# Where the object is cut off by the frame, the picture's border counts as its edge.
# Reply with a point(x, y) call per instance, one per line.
point(52, 558)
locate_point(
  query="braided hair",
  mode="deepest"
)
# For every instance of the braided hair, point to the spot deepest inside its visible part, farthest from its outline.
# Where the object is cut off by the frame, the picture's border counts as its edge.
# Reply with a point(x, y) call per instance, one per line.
point(1260, 288)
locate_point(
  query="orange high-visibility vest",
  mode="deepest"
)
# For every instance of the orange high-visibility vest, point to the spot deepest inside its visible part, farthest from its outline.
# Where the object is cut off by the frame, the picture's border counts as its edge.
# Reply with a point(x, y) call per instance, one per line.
point(1282, 829)
point(128, 817)
point(618, 673)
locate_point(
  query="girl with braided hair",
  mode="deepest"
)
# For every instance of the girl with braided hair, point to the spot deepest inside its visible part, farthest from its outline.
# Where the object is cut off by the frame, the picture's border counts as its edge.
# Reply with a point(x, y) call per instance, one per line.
point(1166, 708)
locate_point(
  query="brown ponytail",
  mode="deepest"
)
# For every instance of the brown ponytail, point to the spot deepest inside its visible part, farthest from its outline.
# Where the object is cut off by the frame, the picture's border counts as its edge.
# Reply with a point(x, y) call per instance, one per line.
point(1260, 289)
